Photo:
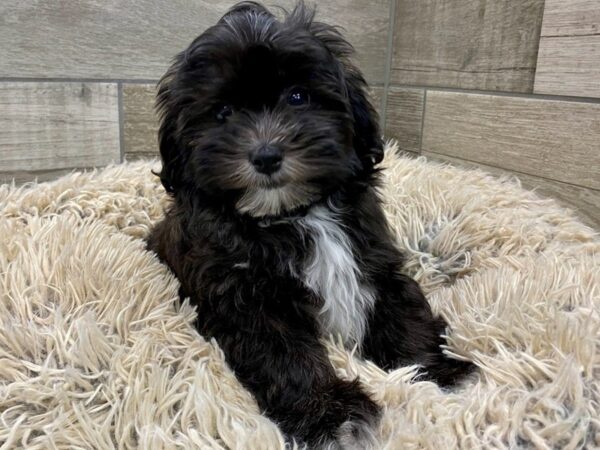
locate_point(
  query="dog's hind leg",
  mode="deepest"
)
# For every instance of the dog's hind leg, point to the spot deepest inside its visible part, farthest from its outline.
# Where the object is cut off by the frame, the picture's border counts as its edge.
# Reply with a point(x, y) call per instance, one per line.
point(402, 330)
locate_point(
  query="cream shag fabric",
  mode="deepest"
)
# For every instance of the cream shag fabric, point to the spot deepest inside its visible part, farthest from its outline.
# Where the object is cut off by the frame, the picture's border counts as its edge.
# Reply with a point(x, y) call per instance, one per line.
point(95, 351)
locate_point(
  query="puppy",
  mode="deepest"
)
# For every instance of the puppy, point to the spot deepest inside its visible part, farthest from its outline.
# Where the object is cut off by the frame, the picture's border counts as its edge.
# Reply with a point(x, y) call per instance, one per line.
point(276, 232)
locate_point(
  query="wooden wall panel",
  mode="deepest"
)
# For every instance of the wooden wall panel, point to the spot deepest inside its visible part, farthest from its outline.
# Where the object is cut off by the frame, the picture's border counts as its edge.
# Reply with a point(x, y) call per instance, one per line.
point(571, 18)
point(377, 93)
point(49, 126)
point(140, 123)
point(485, 44)
point(553, 139)
point(125, 40)
point(585, 202)
point(404, 116)
point(24, 176)
point(569, 54)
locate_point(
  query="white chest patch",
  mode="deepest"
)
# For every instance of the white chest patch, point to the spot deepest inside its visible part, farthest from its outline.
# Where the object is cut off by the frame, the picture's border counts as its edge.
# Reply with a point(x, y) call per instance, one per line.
point(332, 273)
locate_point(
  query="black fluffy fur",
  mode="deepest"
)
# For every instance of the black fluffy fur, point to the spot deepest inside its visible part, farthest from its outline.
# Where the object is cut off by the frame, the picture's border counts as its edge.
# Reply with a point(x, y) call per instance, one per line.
point(238, 268)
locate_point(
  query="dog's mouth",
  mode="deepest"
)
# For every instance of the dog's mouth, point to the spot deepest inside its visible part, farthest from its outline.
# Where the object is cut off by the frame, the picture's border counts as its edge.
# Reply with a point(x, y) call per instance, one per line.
point(270, 183)
point(276, 180)
point(276, 199)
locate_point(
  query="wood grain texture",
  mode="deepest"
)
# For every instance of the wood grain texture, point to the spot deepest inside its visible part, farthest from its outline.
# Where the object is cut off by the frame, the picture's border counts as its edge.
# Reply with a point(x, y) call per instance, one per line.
point(571, 18)
point(24, 176)
point(553, 139)
point(48, 126)
point(585, 202)
point(569, 54)
point(484, 44)
point(124, 40)
point(377, 93)
point(140, 122)
point(404, 115)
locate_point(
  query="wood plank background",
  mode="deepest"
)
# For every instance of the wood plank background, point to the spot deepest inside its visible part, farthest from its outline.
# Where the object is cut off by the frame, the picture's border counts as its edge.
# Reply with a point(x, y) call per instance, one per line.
point(507, 86)
point(49, 126)
point(569, 66)
point(102, 39)
point(571, 18)
point(404, 114)
point(569, 55)
point(484, 44)
point(140, 123)
point(551, 139)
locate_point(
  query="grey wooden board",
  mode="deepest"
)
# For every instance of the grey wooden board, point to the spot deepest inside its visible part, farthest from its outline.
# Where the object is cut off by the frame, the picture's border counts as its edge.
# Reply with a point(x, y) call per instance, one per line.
point(25, 176)
point(569, 54)
point(484, 44)
point(124, 40)
point(571, 18)
point(558, 140)
point(569, 66)
point(376, 94)
point(49, 125)
point(404, 115)
point(140, 123)
point(585, 202)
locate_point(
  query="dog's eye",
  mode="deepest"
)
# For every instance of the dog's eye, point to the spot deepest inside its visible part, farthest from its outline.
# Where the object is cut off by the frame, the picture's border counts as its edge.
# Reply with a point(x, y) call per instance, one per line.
point(223, 112)
point(297, 97)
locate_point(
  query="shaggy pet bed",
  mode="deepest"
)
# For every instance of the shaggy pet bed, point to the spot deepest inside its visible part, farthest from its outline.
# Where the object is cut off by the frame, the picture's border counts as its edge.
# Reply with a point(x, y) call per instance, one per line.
point(96, 352)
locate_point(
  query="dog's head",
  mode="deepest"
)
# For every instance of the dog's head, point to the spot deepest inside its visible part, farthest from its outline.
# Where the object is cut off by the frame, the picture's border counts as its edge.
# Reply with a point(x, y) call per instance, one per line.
point(266, 114)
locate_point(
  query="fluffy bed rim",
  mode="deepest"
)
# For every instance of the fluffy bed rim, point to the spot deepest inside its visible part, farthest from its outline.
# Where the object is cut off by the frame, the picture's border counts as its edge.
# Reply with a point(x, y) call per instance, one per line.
point(96, 352)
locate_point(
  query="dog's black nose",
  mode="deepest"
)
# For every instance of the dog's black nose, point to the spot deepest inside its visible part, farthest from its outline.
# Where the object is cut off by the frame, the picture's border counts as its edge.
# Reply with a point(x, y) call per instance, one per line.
point(266, 159)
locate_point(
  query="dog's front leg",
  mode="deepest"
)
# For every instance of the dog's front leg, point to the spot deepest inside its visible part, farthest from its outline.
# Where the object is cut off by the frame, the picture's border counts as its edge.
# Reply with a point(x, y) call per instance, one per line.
point(271, 341)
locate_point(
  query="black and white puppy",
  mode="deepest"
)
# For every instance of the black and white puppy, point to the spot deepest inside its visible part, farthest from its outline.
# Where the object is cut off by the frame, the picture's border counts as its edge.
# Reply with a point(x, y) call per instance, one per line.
point(276, 231)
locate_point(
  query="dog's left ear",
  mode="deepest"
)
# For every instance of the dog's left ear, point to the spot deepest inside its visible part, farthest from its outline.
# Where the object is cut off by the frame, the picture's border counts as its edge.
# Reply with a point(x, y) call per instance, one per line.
point(368, 142)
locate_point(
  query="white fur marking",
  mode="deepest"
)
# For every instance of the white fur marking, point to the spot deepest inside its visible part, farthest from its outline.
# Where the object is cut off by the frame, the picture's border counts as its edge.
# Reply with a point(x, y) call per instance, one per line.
point(332, 273)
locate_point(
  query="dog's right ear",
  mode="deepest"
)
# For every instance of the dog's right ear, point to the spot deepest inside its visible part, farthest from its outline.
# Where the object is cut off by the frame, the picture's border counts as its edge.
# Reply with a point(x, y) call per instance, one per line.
point(171, 150)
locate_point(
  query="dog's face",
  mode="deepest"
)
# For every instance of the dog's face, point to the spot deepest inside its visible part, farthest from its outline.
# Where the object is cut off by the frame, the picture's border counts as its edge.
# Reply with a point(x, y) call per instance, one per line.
point(264, 115)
